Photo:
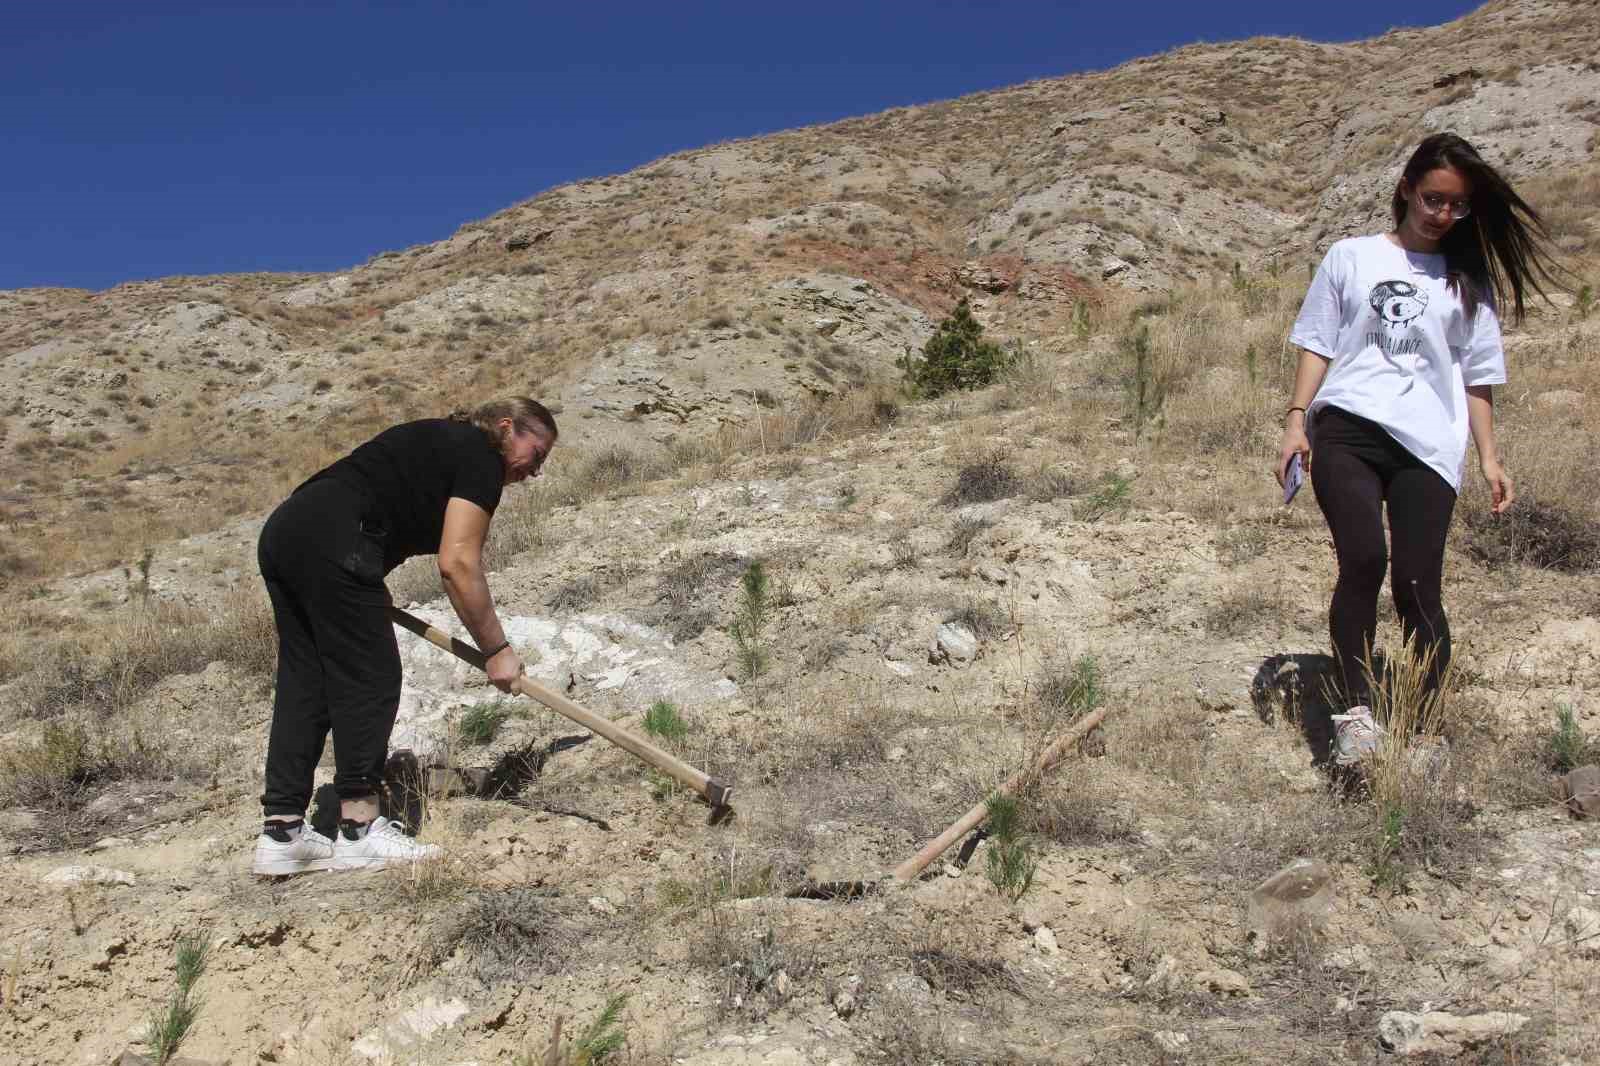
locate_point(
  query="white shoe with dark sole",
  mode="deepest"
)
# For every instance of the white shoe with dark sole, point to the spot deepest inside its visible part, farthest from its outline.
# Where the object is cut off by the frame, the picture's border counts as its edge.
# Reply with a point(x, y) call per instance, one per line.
point(303, 852)
point(383, 844)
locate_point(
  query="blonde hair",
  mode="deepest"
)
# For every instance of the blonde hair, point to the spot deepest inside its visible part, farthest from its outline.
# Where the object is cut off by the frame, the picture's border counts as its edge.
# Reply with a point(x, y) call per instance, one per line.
point(525, 413)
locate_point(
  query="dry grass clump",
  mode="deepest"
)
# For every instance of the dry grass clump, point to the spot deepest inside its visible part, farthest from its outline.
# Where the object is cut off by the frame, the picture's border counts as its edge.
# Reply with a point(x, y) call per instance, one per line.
point(867, 409)
point(1239, 612)
point(754, 964)
point(981, 618)
point(1241, 543)
point(1206, 365)
point(988, 478)
point(149, 641)
point(1051, 484)
point(86, 695)
point(610, 469)
point(1026, 381)
point(500, 935)
point(1567, 201)
point(965, 531)
point(682, 590)
point(1533, 532)
point(72, 759)
point(1169, 740)
point(1420, 821)
point(963, 976)
point(1068, 690)
point(1085, 809)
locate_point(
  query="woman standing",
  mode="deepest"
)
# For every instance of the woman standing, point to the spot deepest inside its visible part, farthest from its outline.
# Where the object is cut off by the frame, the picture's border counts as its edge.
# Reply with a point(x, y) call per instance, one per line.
point(415, 489)
point(1400, 352)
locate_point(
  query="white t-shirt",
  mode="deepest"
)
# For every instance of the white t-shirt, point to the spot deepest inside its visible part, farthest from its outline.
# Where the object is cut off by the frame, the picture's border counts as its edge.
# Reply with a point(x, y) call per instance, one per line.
point(1402, 347)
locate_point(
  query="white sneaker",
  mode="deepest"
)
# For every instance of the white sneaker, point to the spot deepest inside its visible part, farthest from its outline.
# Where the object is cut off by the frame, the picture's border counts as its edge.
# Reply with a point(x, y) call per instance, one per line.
point(293, 852)
point(383, 844)
point(1356, 736)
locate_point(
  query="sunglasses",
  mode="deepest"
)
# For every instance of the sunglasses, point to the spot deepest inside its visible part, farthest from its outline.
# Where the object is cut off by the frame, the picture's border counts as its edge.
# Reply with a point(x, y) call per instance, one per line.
point(1435, 204)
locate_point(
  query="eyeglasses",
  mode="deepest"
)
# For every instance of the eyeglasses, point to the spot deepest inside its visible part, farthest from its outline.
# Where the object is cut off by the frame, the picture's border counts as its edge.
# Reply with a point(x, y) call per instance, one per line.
point(539, 454)
point(1433, 204)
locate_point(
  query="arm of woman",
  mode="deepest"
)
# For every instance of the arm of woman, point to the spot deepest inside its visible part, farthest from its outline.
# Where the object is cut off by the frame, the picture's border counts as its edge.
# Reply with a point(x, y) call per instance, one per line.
point(1480, 419)
point(1308, 375)
point(466, 526)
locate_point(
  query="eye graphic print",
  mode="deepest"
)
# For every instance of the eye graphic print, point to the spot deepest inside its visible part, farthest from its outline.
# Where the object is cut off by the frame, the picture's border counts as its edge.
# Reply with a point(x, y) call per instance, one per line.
point(1398, 303)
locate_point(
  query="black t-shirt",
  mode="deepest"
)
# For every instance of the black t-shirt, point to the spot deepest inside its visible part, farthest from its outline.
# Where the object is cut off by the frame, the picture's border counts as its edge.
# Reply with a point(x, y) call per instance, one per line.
point(407, 474)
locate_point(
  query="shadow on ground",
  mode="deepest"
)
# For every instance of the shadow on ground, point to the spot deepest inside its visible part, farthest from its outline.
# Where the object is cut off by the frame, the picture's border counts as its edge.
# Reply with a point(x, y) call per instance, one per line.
point(1300, 687)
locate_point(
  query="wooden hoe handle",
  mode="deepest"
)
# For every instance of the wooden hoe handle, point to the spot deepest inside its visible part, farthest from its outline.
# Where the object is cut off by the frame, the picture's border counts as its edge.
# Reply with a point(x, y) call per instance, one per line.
point(913, 866)
point(715, 793)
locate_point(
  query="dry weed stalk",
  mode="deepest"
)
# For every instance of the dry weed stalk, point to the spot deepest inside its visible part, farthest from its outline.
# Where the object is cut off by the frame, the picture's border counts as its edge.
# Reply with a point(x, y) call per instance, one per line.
point(1418, 820)
point(1408, 709)
point(8, 991)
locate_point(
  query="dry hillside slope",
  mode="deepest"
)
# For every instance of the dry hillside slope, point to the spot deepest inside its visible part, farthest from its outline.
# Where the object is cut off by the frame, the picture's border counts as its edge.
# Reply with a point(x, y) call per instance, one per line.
point(944, 586)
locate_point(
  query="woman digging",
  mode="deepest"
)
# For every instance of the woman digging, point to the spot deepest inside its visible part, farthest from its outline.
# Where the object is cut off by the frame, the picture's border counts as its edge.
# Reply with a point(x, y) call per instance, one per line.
point(419, 488)
point(1399, 354)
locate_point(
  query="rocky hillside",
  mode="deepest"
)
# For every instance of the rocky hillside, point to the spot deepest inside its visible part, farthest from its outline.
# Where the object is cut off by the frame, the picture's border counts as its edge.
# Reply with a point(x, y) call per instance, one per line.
point(689, 293)
point(949, 584)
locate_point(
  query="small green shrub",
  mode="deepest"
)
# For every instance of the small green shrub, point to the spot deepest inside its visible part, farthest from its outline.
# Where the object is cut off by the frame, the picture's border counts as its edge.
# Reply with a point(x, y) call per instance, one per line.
point(751, 617)
point(663, 720)
point(1147, 392)
point(1565, 747)
point(604, 1037)
point(1010, 859)
point(955, 357)
point(169, 1026)
point(1115, 495)
point(481, 722)
point(1076, 691)
point(1388, 867)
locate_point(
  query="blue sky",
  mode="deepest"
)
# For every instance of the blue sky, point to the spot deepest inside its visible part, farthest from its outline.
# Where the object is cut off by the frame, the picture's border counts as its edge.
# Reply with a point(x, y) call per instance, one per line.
point(143, 138)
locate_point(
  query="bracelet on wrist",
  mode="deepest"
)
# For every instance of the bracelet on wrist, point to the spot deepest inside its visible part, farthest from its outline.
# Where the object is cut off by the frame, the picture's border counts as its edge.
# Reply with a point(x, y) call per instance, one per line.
point(1293, 409)
point(497, 649)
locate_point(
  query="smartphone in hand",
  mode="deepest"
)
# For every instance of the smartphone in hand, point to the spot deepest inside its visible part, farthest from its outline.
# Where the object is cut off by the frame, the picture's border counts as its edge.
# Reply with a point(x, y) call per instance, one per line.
point(1293, 478)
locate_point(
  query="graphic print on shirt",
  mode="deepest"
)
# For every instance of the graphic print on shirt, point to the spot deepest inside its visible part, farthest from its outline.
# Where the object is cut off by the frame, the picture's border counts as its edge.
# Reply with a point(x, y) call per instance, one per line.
point(1398, 304)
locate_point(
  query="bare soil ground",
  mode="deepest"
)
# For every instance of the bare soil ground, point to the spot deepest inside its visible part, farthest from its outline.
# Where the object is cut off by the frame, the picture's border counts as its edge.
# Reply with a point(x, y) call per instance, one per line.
point(720, 330)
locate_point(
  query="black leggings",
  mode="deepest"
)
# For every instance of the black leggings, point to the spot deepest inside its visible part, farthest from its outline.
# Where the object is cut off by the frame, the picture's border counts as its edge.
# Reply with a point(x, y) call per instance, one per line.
point(1356, 469)
point(338, 663)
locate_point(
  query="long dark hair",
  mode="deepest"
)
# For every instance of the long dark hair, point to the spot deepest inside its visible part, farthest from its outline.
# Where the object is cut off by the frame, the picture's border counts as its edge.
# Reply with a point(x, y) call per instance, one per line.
point(1501, 248)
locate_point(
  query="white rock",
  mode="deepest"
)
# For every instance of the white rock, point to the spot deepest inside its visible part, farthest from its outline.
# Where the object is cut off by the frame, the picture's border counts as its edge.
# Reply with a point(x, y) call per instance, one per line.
point(1173, 1043)
point(1295, 900)
point(402, 1035)
point(1559, 398)
point(1583, 928)
point(601, 905)
point(1223, 982)
point(953, 643)
point(1405, 1033)
point(87, 875)
point(1044, 938)
point(1356, 957)
point(1164, 976)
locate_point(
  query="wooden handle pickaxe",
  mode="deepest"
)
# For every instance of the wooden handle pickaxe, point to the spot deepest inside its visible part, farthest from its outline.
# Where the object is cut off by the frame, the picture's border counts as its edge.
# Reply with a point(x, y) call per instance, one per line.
point(714, 792)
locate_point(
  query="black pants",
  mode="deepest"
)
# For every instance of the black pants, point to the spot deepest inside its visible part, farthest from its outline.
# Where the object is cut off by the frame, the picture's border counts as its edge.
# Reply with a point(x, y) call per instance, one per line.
point(338, 664)
point(1357, 468)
